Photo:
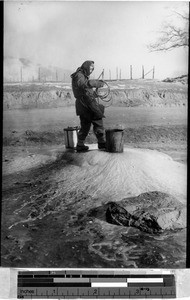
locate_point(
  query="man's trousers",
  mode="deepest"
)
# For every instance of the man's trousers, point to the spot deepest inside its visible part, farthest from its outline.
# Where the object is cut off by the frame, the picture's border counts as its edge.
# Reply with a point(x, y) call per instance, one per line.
point(98, 129)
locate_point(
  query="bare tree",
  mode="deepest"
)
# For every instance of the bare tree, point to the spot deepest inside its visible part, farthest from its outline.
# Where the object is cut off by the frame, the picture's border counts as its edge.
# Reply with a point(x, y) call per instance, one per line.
point(172, 36)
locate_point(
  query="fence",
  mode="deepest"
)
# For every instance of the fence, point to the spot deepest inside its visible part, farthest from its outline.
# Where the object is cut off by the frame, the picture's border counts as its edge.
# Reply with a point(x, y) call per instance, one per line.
point(43, 76)
point(36, 75)
point(118, 74)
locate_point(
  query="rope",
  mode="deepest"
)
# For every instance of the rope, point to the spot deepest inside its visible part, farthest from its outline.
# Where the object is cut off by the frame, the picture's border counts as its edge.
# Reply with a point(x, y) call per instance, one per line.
point(104, 96)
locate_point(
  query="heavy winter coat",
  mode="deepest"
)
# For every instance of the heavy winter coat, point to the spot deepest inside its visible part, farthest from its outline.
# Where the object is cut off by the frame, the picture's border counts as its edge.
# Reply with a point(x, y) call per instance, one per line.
point(86, 103)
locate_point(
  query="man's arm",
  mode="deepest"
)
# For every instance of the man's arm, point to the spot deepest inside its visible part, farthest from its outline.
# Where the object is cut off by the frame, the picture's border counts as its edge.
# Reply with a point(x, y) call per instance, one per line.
point(95, 83)
point(84, 82)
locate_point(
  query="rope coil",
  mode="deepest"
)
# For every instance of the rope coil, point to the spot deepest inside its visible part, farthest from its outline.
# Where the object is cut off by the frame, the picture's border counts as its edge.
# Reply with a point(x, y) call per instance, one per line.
point(103, 97)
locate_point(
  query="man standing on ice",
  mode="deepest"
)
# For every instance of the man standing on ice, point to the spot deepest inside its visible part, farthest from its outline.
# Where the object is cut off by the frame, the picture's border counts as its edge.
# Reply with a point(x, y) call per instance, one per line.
point(87, 107)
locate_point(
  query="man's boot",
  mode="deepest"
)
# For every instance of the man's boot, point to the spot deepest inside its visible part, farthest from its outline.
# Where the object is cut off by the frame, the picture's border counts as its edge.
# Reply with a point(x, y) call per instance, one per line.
point(102, 145)
point(101, 140)
point(81, 146)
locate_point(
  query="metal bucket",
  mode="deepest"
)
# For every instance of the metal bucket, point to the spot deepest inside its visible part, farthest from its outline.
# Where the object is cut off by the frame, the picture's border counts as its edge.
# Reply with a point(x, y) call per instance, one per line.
point(71, 137)
point(114, 140)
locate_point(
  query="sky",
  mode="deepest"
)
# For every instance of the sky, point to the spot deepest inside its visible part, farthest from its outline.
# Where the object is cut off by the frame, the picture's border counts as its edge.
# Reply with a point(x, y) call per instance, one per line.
point(114, 34)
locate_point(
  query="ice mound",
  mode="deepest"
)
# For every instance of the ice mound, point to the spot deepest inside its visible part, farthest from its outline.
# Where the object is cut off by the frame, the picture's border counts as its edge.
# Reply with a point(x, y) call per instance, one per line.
point(119, 175)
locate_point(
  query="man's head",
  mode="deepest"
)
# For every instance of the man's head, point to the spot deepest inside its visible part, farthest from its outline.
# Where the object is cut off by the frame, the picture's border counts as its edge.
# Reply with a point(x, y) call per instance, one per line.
point(88, 67)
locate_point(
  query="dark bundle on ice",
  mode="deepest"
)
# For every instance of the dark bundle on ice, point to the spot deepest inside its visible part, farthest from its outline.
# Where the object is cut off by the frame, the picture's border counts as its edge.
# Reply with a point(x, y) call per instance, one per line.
point(144, 221)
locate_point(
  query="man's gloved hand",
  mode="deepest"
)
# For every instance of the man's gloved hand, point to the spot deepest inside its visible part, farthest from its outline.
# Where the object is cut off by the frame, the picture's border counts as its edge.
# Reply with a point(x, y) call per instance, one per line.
point(101, 83)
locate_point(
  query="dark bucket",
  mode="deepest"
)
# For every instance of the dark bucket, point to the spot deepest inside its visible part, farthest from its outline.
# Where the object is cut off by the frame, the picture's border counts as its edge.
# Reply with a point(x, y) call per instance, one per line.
point(114, 140)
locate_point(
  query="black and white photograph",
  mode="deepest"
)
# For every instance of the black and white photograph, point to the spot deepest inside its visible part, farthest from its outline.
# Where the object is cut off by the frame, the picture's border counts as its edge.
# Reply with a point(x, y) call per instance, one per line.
point(94, 155)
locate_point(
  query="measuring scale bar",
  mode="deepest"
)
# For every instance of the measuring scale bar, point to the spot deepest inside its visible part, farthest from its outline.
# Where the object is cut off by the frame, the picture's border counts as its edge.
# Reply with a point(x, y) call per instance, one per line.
point(67, 293)
point(103, 282)
point(63, 286)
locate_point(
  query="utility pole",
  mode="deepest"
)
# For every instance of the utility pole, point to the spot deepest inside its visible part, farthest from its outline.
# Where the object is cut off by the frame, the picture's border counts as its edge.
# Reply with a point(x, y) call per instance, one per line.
point(110, 74)
point(103, 74)
point(153, 71)
point(21, 74)
point(64, 77)
point(39, 75)
point(142, 72)
point(120, 74)
point(131, 71)
point(56, 75)
point(117, 73)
